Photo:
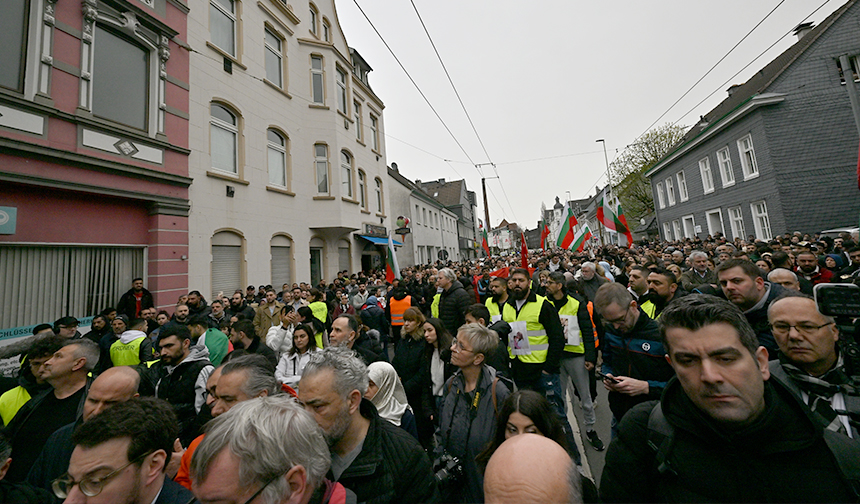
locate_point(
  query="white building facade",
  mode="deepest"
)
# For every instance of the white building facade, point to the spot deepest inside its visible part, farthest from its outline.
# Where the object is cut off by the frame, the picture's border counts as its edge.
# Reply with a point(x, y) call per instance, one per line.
point(433, 228)
point(287, 147)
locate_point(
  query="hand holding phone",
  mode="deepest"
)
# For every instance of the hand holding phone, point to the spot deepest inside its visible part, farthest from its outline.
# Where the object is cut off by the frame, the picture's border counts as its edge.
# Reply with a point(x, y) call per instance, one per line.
point(602, 376)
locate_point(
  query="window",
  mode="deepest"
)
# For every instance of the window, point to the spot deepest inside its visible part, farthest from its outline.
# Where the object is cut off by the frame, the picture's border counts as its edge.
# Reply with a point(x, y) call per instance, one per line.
point(341, 91)
point(13, 38)
point(358, 121)
point(670, 191)
point(715, 222)
point(682, 186)
point(222, 25)
point(123, 96)
point(314, 20)
point(326, 30)
point(689, 226)
point(761, 220)
point(282, 260)
point(374, 132)
point(321, 166)
point(362, 189)
point(748, 163)
point(317, 79)
point(277, 148)
point(227, 262)
point(660, 198)
point(726, 171)
point(707, 176)
point(417, 214)
point(344, 256)
point(677, 226)
point(667, 231)
point(379, 207)
point(224, 139)
point(274, 59)
point(424, 216)
point(346, 174)
point(736, 219)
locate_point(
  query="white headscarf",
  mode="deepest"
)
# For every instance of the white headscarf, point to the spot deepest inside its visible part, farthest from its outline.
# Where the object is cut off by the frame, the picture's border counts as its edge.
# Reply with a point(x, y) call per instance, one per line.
point(390, 399)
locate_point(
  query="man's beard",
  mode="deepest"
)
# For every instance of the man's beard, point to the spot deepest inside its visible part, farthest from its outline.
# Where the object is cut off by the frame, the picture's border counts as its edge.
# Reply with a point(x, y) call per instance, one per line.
point(338, 429)
point(498, 297)
point(807, 269)
point(519, 294)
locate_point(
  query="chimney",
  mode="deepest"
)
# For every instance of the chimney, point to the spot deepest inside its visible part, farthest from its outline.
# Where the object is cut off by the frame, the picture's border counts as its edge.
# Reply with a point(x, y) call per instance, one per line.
point(441, 181)
point(394, 167)
point(418, 182)
point(731, 90)
point(802, 29)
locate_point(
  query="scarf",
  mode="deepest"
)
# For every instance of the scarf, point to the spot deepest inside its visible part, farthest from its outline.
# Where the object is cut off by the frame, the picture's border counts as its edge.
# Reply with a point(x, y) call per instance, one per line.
point(821, 389)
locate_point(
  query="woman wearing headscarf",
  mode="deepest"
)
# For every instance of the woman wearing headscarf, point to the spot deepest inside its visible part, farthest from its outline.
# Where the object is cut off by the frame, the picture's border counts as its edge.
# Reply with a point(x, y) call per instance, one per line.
point(386, 393)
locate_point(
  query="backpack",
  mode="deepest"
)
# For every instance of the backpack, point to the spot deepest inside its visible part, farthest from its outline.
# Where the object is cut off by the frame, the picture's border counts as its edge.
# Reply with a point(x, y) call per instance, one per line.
point(661, 439)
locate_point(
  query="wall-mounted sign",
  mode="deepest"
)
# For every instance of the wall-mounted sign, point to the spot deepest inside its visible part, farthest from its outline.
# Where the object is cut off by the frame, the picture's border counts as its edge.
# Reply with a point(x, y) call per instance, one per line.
point(8, 220)
point(372, 230)
point(402, 231)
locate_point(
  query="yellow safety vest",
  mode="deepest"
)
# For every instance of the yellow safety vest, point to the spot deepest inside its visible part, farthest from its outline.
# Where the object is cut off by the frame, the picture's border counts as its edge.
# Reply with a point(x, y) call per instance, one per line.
point(649, 308)
point(571, 308)
point(126, 355)
point(538, 340)
point(434, 306)
point(11, 401)
point(320, 310)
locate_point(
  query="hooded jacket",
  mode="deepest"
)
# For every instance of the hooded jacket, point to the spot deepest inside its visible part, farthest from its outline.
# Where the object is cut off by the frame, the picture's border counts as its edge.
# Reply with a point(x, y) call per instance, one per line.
point(184, 387)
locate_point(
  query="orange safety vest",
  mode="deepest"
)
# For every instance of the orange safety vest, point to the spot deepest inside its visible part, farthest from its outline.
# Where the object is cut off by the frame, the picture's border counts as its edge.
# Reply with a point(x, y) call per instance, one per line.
point(397, 308)
point(590, 307)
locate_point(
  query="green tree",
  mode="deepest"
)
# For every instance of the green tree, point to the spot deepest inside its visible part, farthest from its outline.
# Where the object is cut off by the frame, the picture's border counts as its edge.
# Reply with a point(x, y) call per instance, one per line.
point(628, 170)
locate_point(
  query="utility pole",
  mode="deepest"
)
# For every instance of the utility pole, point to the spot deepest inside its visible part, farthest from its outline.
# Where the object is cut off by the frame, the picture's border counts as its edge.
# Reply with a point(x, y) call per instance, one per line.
point(608, 181)
point(486, 205)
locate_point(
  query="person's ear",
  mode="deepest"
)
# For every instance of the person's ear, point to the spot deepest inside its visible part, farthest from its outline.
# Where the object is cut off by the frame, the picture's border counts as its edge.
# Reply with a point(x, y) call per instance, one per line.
point(5, 468)
point(297, 480)
point(354, 401)
point(761, 358)
point(479, 359)
point(153, 465)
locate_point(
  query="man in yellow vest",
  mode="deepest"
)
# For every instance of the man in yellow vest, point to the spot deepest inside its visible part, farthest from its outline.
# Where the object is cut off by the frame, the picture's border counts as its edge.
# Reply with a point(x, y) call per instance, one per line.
point(580, 355)
point(535, 345)
point(494, 303)
point(662, 289)
point(132, 347)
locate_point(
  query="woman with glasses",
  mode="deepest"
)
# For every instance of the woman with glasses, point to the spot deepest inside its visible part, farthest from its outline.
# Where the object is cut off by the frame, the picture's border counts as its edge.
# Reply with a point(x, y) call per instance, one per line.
point(468, 413)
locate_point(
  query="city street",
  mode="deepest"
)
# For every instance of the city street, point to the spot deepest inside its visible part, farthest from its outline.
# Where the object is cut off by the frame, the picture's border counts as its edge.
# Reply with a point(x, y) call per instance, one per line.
point(592, 463)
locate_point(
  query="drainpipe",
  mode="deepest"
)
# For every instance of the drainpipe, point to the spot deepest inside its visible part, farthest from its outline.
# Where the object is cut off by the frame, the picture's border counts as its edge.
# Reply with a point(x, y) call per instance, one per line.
point(853, 95)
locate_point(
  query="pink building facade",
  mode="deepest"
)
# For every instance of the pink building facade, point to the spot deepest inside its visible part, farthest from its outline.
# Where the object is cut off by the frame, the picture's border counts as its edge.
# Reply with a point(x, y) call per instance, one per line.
point(94, 181)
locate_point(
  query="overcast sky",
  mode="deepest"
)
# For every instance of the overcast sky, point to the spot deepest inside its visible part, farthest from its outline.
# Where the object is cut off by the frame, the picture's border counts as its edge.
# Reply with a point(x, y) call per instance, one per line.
point(546, 80)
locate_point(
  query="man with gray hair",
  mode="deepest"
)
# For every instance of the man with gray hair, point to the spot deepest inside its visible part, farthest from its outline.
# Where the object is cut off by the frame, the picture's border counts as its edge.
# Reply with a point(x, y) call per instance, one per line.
point(451, 301)
point(784, 277)
point(274, 447)
point(591, 281)
point(377, 460)
point(242, 379)
point(699, 274)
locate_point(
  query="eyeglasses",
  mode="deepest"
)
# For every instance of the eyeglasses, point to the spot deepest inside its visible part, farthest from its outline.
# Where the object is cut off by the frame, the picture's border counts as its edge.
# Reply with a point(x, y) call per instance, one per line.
point(458, 347)
point(90, 487)
point(805, 328)
point(620, 320)
point(256, 494)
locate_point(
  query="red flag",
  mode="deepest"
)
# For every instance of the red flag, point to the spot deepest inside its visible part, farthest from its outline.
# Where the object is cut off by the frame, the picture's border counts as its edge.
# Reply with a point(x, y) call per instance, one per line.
point(524, 252)
point(544, 234)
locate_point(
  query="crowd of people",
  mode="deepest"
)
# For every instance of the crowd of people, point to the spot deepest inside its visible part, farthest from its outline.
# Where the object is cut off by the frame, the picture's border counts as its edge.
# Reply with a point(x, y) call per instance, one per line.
point(452, 384)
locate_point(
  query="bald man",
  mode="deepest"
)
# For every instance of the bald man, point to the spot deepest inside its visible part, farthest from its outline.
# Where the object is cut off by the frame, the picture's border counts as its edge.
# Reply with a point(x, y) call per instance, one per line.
point(784, 277)
point(115, 385)
point(530, 468)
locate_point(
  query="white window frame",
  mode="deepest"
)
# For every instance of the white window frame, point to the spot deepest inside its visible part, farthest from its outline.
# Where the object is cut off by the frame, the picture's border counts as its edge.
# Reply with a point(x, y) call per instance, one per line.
point(736, 221)
point(314, 20)
point(281, 149)
point(682, 186)
point(233, 129)
point(380, 202)
point(689, 233)
point(321, 167)
point(232, 16)
point(724, 160)
point(362, 189)
point(707, 175)
point(667, 231)
point(679, 231)
point(761, 220)
point(318, 73)
point(346, 161)
point(747, 155)
point(342, 94)
point(359, 123)
point(374, 132)
point(326, 27)
point(670, 191)
point(711, 230)
point(661, 199)
point(278, 52)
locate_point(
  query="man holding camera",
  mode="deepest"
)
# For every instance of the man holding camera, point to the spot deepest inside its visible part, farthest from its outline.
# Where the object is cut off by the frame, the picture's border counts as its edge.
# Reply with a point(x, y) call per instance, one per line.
point(810, 362)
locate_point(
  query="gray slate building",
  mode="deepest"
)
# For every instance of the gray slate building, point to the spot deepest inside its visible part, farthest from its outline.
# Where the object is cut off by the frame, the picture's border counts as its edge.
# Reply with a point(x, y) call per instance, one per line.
point(460, 200)
point(779, 154)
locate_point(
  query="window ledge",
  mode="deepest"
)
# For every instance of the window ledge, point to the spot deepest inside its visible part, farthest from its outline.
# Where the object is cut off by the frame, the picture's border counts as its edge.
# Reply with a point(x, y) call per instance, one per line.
point(360, 142)
point(709, 191)
point(381, 215)
point(324, 198)
point(340, 113)
point(728, 185)
point(227, 55)
point(280, 190)
point(365, 211)
point(349, 200)
point(225, 176)
point(318, 106)
point(749, 177)
point(376, 151)
point(278, 89)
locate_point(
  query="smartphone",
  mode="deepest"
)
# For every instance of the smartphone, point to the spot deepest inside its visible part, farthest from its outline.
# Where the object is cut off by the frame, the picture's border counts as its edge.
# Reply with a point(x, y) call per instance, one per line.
point(602, 376)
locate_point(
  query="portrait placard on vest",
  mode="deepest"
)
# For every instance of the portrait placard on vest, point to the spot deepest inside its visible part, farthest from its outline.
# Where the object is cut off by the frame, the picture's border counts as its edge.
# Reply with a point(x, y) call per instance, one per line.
point(571, 329)
point(518, 340)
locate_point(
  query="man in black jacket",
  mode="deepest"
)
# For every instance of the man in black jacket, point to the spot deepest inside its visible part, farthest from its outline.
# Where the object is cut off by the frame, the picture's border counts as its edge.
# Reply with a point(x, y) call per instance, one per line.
point(724, 431)
point(134, 300)
point(451, 303)
point(378, 461)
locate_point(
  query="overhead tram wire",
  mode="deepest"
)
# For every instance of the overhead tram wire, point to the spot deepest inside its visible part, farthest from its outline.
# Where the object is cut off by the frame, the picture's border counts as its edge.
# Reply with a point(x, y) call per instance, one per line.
point(721, 86)
point(413, 82)
point(712, 69)
point(451, 81)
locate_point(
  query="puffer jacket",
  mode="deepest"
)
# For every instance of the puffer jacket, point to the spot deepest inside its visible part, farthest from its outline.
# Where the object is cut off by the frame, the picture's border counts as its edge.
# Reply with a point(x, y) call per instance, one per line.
point(453, 304)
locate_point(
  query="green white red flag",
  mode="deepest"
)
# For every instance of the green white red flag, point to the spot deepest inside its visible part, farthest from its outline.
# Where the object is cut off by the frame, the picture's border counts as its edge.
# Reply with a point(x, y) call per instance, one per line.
point(582, 238)
point(392, 270)
point(568, 223)
point(484, 243)
point(611, 220)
